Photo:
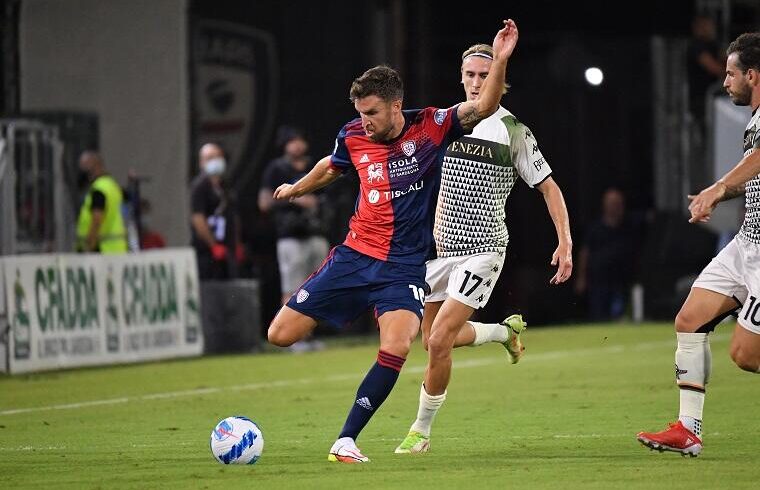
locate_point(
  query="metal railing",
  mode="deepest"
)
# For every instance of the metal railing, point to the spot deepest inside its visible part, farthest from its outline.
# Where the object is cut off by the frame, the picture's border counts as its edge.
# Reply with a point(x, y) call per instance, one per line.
point(34, 213)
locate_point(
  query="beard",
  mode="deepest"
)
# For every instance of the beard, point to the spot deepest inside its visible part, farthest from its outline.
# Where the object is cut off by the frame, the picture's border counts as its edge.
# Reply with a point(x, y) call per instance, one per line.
point(379, 137)
point(742, 96)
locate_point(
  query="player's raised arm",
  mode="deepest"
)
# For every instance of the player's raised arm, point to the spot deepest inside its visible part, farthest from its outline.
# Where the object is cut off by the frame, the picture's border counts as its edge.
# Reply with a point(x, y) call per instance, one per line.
point(321, 175)
point(470, 113)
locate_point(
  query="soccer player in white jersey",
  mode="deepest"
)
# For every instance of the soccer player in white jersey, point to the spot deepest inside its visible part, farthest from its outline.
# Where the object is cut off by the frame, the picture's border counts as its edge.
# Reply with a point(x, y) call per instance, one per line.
point(479, 171)
point(731, 281)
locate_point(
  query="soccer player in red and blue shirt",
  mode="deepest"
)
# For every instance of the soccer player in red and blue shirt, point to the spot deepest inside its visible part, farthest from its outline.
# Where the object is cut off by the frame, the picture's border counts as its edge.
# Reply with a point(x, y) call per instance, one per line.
point(397, 155)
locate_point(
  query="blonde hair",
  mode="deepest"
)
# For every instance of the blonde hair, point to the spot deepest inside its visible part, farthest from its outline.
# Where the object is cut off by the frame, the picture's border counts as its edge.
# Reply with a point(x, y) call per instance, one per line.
point(483, 51)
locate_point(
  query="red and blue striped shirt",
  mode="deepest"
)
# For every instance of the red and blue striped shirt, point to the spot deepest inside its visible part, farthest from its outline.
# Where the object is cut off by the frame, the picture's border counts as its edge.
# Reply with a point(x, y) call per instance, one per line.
point(399, 182)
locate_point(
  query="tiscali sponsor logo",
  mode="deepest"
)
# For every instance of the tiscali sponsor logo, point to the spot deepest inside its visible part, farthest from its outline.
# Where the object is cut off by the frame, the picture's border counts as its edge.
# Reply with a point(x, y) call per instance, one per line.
point(374, 196)
point(393, 194)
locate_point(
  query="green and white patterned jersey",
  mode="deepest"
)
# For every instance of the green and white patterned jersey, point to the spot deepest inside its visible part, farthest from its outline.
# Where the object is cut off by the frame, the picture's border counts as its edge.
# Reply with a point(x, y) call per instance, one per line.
point(479, 171)
point(751, 227)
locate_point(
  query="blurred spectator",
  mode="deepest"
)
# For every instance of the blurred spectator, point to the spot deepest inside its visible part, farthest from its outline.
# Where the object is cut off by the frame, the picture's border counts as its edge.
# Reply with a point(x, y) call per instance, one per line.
point(301, 245)
point(215, 224)
point(705, 64)
point(149, 237)
point(606, 259)
point(100, 226)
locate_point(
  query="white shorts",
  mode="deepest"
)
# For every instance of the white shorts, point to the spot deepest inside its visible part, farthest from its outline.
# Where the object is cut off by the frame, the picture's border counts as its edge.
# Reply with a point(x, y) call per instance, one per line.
point(468, 279)
point(735, 272)
point(298, 258)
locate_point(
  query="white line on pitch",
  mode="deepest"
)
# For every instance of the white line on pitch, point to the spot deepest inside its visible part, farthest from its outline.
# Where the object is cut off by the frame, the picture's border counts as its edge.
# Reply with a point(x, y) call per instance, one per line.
point(175, 443)
point(343, 377)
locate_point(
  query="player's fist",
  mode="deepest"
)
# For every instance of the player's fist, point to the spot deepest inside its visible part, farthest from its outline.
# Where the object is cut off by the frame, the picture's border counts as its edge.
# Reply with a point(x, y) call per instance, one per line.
point(285, 191)
point(218, 252)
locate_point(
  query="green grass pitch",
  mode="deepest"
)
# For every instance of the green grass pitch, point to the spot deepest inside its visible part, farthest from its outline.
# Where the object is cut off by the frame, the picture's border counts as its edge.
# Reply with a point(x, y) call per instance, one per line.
point(565, 417)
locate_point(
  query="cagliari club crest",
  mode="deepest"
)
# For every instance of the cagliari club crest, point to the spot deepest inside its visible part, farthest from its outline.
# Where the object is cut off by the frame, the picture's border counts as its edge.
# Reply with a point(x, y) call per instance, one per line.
point(408, 147)
point(234, 91)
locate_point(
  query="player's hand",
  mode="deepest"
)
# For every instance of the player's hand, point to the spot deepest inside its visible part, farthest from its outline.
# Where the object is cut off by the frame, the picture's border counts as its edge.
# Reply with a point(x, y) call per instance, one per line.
point(285, 191)
point(219, 252)
point(563, 259)
point(506, 40)
point(703, 204)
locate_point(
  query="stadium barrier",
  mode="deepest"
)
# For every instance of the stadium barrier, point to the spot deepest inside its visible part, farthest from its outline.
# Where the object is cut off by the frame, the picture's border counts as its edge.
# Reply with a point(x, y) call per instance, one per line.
point(231, 316)
point(71, 310)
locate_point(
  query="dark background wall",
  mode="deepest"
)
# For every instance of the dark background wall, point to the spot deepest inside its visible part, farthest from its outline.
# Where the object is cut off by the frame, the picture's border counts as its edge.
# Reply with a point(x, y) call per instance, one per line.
point(592, 136)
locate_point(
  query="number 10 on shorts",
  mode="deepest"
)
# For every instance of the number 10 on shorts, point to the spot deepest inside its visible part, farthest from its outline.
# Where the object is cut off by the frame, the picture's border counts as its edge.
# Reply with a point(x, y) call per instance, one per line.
point(419, 293)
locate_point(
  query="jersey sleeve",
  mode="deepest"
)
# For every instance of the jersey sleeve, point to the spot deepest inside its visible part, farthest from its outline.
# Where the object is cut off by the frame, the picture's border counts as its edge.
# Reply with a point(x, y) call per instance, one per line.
point(754, 140)
point(341, 158)
point(445, 124)
point(98, 201)
point(530, 164)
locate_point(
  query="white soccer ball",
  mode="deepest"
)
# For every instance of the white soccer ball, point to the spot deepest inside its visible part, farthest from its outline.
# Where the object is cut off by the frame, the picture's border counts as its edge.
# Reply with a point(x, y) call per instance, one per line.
point(237, 440)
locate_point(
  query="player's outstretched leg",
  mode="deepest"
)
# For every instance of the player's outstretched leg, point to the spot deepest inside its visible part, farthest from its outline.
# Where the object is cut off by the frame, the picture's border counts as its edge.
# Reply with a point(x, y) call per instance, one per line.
point(506, 333)
point(515, 326)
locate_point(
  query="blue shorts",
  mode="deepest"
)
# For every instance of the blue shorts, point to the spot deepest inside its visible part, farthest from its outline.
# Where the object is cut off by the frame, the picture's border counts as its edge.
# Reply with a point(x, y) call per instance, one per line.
point(348, 283)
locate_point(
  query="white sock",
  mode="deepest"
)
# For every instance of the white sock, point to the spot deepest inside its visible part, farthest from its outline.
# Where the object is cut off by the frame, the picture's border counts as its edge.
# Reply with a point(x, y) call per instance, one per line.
point(693, 366)
point(488, 332)
point(692, 401)
point(429, 405)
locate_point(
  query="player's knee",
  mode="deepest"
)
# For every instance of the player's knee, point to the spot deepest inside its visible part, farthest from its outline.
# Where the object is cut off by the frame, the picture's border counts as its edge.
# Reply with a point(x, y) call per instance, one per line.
point(686, 322)
point(745, 359)
point(276, 335)
point(439, 347)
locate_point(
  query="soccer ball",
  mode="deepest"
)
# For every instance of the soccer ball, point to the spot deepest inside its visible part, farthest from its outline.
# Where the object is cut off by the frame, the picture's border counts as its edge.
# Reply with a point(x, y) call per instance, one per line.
point(237, 440)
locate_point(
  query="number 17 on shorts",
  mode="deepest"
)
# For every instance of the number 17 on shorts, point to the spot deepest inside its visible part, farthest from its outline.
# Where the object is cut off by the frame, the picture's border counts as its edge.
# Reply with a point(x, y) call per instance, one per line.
point(472, 281)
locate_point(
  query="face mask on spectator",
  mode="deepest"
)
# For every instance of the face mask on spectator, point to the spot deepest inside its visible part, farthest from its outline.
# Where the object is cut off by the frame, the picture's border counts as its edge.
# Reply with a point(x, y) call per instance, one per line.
point(215, 166)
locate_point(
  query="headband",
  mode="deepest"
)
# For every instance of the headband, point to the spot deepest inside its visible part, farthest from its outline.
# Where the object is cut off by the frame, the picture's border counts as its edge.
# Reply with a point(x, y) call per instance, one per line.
point(482, 55)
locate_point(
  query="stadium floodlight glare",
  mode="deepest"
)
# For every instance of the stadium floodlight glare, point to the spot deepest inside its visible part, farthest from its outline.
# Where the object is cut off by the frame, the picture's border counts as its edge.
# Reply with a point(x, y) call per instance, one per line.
point(594, 75)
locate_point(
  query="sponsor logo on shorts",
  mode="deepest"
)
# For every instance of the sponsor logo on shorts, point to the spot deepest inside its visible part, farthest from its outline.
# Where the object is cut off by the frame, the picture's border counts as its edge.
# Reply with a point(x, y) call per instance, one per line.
point(302, 296)
point(440, 116)
point(679, 372)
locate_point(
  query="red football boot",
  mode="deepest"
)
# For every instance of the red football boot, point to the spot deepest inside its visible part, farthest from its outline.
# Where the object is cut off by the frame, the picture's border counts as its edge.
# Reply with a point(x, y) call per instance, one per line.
point(676, 438)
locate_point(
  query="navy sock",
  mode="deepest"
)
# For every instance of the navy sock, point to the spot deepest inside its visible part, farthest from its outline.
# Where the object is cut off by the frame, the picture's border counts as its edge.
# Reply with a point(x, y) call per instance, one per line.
point(373, 391)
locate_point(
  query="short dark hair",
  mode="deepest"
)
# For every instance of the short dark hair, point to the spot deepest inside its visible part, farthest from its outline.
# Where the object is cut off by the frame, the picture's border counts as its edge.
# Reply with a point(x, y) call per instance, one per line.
point(747, 48)
point(382, 81)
